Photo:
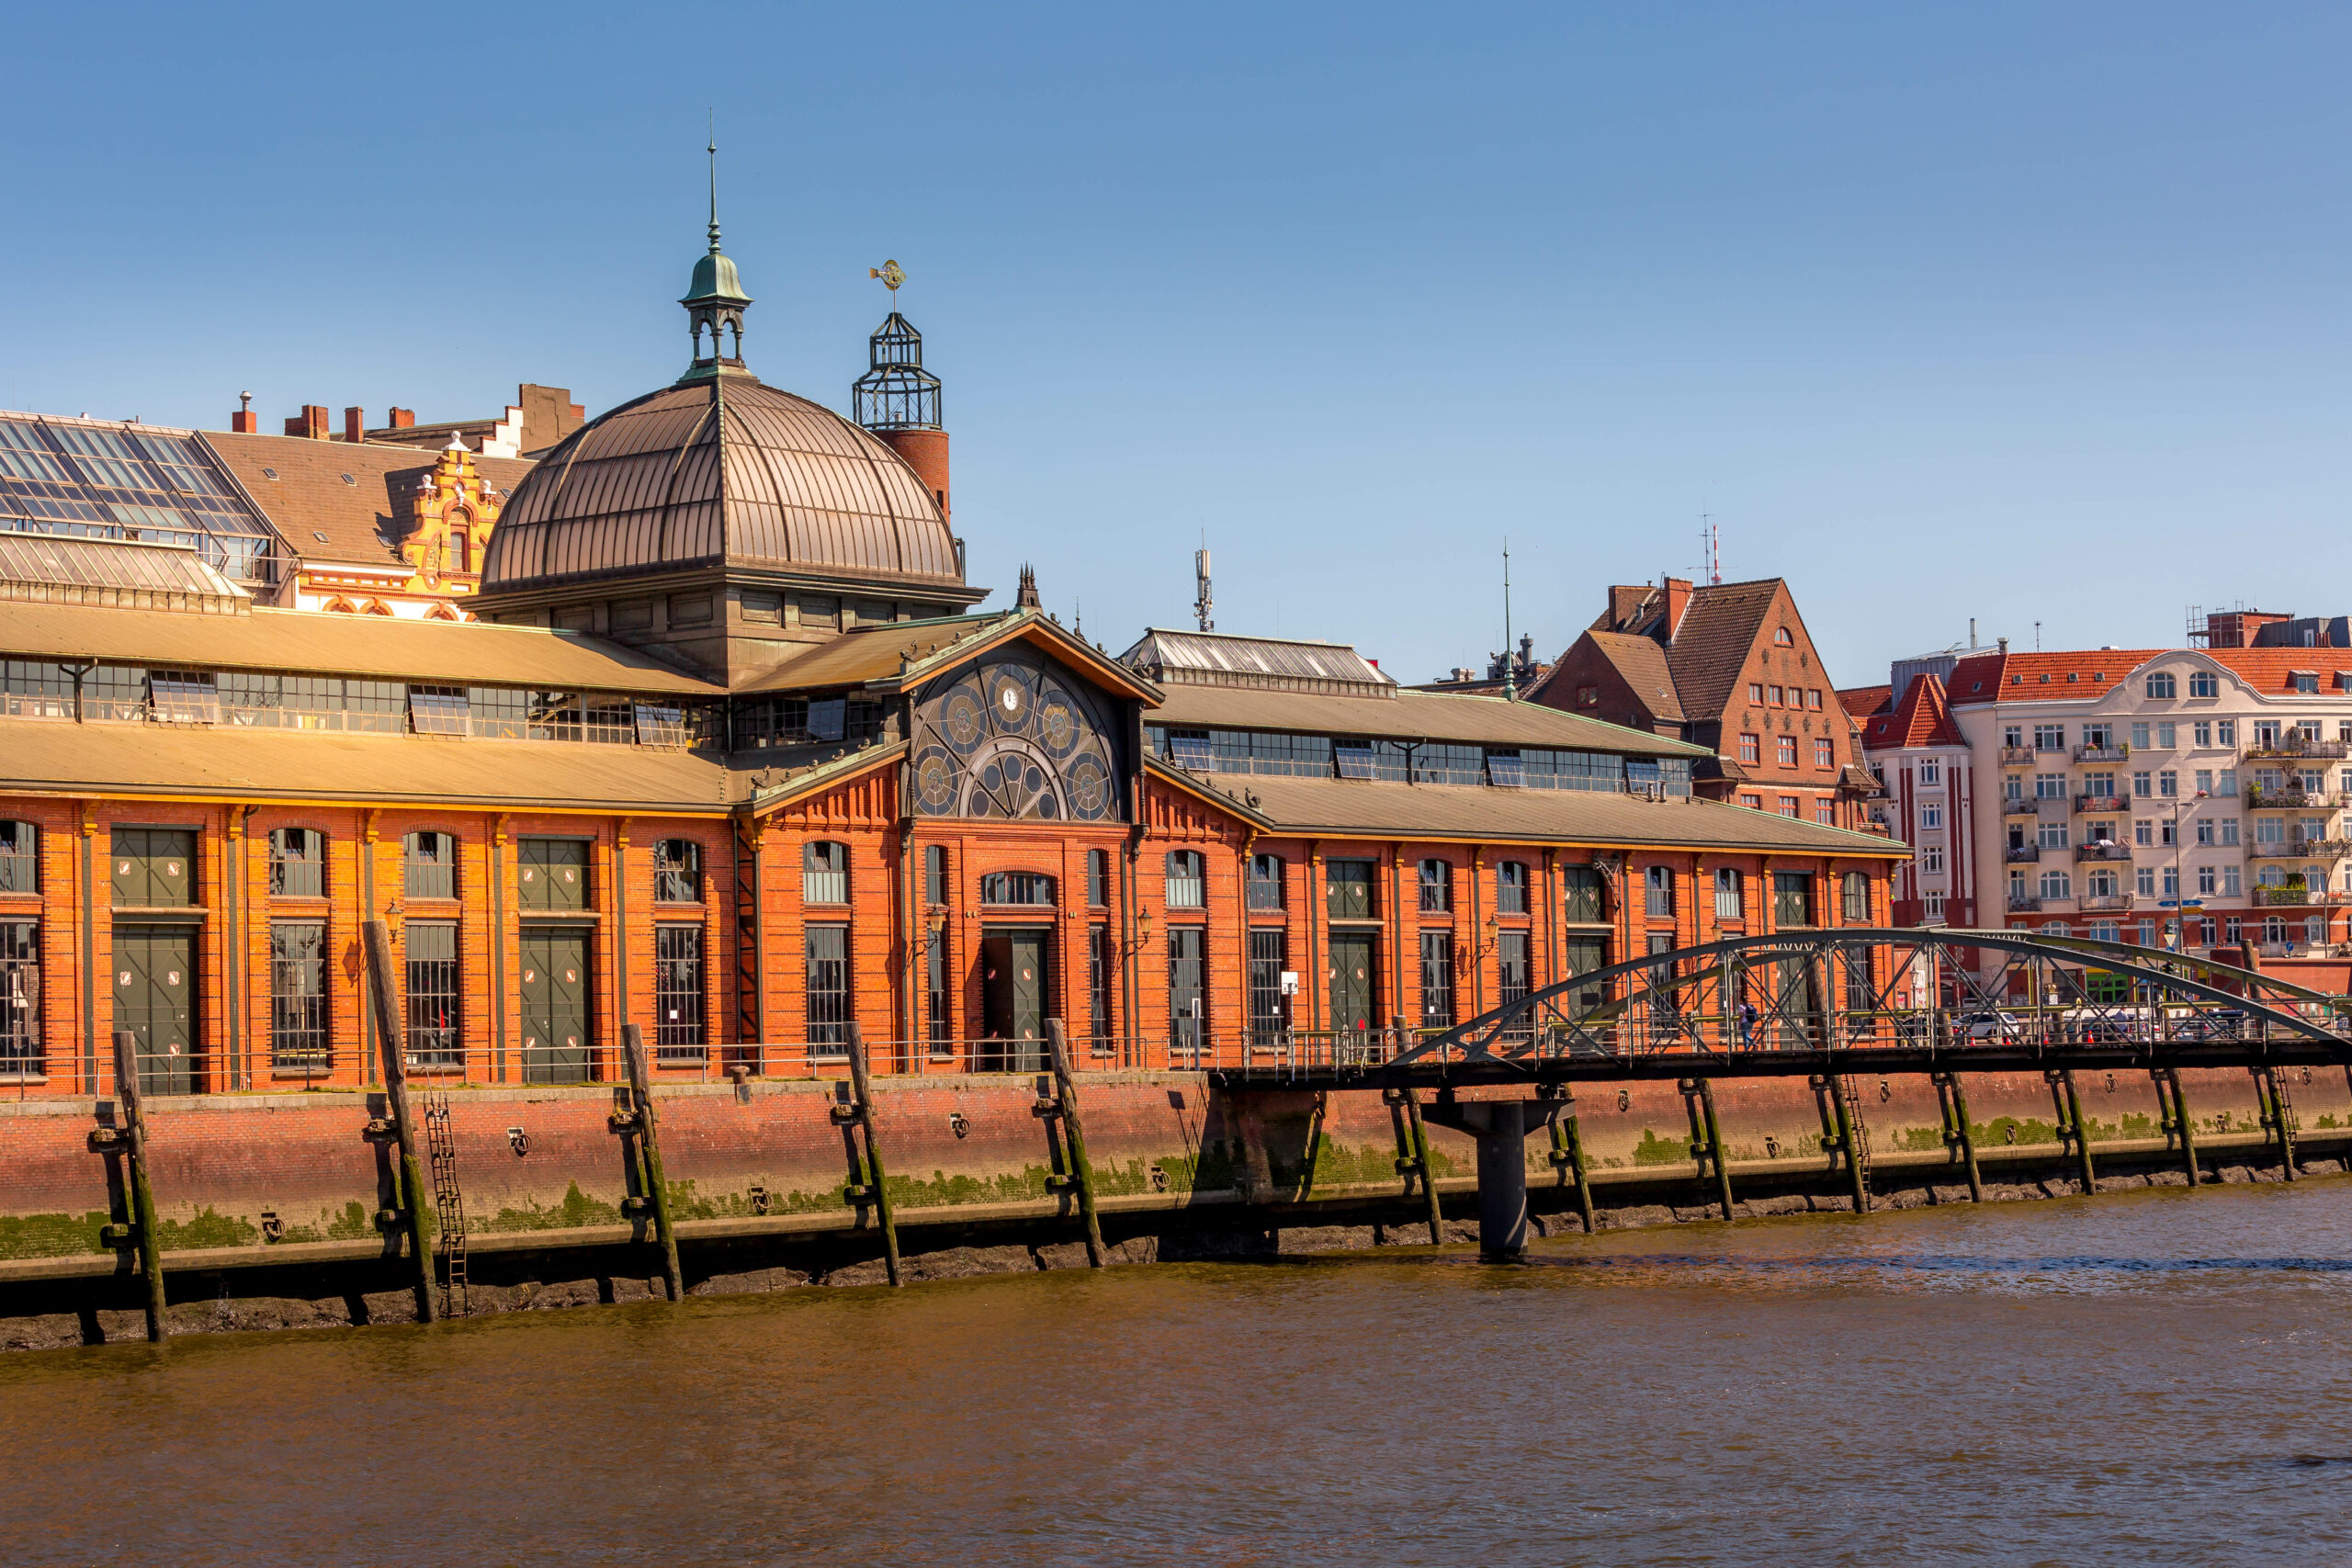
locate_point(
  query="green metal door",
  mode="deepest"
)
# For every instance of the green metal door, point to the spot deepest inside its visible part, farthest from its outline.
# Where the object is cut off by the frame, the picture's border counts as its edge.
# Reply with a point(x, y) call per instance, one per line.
point(155, 997)
point(552, 874)
point(1013, 986)
point(555, 1006)
point(1352, 1002)
point(154, 868)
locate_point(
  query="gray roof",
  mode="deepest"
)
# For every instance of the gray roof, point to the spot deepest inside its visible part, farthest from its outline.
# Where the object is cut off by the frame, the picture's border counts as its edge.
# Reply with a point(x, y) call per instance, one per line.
point(1181, 657)
point(1409, 715)
point(1422, 812)
point(114, 573)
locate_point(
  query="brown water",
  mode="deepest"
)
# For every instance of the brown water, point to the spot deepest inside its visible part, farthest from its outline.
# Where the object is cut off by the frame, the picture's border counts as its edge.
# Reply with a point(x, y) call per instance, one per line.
point(2161, 1377)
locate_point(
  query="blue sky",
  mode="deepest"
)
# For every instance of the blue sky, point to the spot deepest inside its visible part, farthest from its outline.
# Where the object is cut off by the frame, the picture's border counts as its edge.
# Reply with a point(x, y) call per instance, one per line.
point(2025, 313)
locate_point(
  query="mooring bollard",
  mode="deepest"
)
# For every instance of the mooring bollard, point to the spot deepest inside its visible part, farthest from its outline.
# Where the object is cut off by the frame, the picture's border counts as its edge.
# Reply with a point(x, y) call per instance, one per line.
point(884, 1215)
point(143, 1196)
point(377, 937)
point(649, 1143)
point(1074, 1134)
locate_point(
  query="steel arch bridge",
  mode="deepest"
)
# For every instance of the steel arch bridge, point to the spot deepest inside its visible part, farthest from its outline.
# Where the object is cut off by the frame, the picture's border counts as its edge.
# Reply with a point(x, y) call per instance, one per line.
point(1848, 1000)
point(1827, 1004)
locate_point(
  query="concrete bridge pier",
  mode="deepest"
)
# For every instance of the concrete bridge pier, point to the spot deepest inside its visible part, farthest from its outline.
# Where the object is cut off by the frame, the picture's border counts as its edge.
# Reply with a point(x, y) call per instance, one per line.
point(1503, 1128)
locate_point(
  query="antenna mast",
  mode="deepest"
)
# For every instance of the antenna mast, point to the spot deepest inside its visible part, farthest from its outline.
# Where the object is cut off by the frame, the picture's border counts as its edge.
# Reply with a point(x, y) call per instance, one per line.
point(1511, 677)
point(1711, 548)
point(1203, 601)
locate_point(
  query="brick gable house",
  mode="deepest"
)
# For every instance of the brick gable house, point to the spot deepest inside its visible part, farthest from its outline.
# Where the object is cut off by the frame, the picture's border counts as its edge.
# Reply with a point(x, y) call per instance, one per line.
point(1727, 666)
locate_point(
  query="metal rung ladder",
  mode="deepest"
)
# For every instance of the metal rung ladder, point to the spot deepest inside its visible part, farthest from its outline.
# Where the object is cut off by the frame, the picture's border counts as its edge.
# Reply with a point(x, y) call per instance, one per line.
point(448, 1203)
point(1858, 1130)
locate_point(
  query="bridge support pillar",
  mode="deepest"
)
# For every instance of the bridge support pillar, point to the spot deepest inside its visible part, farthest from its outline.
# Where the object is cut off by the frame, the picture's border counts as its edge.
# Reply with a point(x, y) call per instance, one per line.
point(1501, 1127)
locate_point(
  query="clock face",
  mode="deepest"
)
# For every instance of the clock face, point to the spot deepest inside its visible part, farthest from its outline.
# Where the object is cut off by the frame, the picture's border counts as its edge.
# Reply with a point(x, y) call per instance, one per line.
point(1013, 739)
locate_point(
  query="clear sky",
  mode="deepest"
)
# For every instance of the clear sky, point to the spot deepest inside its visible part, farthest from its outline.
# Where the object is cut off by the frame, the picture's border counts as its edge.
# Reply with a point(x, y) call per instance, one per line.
point(2031, 313)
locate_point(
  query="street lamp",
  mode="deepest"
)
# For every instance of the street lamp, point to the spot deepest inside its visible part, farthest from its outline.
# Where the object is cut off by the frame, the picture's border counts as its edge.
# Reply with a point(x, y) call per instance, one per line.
point(2179, 943)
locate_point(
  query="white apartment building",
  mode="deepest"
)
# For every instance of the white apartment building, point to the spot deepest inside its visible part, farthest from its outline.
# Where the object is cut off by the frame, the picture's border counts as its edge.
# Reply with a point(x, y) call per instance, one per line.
point(2167, 797)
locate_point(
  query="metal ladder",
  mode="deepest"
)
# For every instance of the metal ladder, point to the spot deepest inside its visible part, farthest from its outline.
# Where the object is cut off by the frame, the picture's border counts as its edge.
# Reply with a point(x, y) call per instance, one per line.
point(1859, 1130)
point(448, 1203)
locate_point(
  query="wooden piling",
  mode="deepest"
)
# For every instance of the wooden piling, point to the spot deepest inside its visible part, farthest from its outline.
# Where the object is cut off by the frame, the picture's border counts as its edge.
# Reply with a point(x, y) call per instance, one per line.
point(1074, 1131)
point(1421, 1144)
point(1567, 1154)
point(2281, 1119)
point(2072, 1109)
point(391, 1037)
point(2184, 1121)
point(1848, 1146)
point(1715, 1145)
point(1960, 1135)
point(885, 1212)
point(143, 1196)
point(648, 1142)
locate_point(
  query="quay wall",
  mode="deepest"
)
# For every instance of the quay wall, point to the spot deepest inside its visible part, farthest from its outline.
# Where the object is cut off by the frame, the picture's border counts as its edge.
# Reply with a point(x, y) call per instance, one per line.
point(287, 1193)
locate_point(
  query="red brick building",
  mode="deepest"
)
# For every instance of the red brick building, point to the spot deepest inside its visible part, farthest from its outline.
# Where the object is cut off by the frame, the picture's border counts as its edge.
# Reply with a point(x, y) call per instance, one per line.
point(731, 758)
point(1728, 667)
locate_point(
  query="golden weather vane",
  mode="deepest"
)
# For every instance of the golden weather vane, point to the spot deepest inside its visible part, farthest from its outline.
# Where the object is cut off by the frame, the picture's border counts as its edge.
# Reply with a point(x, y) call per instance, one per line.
point(893, 275)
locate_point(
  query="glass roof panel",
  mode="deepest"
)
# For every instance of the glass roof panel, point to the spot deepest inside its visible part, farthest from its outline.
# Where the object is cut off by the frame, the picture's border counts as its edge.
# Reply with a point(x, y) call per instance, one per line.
point(122, 481)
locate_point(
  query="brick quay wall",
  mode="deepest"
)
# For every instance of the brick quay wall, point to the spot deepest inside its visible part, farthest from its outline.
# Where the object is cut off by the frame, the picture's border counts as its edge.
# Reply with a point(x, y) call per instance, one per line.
point(270, 1206)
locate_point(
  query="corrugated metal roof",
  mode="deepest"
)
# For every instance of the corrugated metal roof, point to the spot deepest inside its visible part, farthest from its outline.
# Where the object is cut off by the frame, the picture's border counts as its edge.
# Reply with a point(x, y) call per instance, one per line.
point(671, 480)
point(1215, 659)
point(379, 646)
point(1325, 807)
point(116, 573)
point(1423, 716)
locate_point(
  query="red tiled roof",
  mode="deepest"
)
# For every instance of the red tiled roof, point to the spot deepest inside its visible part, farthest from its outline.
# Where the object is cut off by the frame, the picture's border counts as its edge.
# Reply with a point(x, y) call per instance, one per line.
point(1863, 701)
point(1922, 718)
point(1712, 645)
point(2044, 677)
point(1642, 664)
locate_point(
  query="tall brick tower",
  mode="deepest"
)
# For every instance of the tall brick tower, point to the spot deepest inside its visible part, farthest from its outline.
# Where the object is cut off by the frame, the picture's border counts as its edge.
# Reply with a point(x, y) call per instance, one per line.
point(898, 400)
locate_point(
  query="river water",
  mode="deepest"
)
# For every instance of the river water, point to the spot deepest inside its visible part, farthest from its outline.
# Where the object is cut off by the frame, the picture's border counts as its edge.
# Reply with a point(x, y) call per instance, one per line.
point(2155, 1377)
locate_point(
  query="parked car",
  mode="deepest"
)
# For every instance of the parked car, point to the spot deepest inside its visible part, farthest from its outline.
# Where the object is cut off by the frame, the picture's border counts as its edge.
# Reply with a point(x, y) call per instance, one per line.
point(1988, 1026)
point(2210, 1023)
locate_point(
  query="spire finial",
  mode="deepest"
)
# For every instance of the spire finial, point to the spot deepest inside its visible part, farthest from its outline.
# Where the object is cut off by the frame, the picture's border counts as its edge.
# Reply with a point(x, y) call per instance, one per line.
point(714, 183)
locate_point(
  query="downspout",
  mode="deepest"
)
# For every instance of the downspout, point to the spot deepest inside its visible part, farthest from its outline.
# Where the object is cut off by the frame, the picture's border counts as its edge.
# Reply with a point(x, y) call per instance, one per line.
point(89, 941)
point(498, 945)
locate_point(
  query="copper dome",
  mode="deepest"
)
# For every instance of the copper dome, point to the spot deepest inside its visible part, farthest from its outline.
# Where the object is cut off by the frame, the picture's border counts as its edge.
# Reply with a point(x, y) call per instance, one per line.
point(720, 471)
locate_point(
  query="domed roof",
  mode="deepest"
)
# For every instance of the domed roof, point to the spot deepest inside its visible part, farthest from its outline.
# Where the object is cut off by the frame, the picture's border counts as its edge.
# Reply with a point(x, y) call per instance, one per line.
point(720, 471)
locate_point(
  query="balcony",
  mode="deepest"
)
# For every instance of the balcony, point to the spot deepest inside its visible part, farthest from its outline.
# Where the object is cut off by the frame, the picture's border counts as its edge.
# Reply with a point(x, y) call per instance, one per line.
point(2023, 903)
point(2103, 804)
point(2020, 854)
point(2017, 756)
point(2101, 901)
point(2291, 746)
point(2021, 806)
point(2296, 895)
point(2110, 752)
point(2102, 849)
point(2302, 849)
point(2289, 798)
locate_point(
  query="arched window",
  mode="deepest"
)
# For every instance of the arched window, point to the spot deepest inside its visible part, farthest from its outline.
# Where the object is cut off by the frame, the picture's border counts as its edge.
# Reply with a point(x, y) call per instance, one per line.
point(1437, 886)
point(1858, 898)
point(1730, 901)
point(1783, 638)
point(1511, 887)
point(1098, 878)
point(1186, 882)
point(460, 551)
point(677, 872)
point(297, 858)
point(824, 873)
point(19, 858)
point(1266, 881)
point(429, 865)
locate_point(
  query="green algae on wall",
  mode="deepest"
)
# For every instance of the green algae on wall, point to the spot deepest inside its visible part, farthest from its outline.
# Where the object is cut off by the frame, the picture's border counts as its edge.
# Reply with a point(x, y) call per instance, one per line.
point(52, 1236)
point(1655, 1150)
point(577, 1211)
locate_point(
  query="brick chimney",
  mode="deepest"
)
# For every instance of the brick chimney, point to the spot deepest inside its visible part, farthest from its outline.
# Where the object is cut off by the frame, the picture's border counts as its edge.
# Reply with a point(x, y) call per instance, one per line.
point(245, 422)
point(1678, 599)
point(313, 423)
point(355, 424)
point(403, 418)
point(927, 452)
